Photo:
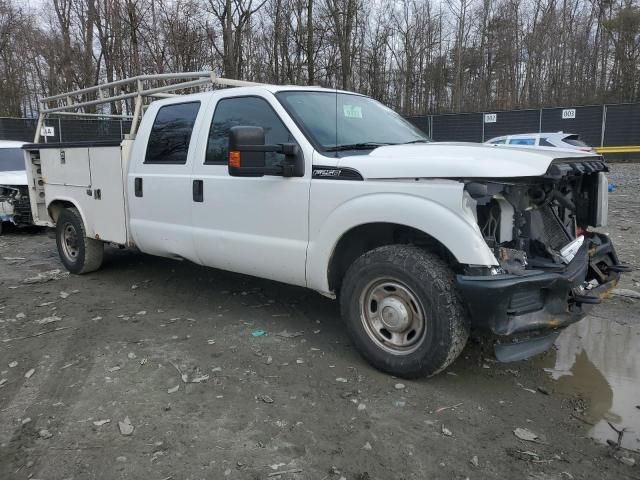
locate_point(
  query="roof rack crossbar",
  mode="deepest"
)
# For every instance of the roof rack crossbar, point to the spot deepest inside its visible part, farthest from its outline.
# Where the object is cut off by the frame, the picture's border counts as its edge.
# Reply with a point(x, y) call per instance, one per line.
point(134, 87)
point(101, 115)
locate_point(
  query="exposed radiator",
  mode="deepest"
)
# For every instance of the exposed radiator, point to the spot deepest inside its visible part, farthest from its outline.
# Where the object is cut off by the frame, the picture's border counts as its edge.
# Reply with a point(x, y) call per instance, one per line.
point(547, 227)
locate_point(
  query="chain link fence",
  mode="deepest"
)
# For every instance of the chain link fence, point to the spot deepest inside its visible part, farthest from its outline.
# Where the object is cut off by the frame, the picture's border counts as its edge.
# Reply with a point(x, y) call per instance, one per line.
point(64, 129)
point(613, 129)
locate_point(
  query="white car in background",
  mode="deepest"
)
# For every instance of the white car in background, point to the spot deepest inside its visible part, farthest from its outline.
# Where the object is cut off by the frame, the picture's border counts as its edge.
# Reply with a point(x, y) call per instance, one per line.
point(14, 196)
point(565, 141)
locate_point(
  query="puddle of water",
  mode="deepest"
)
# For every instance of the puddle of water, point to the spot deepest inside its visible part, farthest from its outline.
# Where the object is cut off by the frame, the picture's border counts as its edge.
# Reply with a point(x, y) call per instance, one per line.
point(599, 360)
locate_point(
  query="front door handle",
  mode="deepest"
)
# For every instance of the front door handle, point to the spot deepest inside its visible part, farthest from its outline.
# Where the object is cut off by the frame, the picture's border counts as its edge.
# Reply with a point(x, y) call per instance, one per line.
point(137, 184)
point(198, 193)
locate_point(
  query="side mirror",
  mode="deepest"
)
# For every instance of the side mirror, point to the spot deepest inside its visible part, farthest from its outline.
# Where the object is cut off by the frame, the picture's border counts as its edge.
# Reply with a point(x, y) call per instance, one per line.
point(244, 163)
point(247, 155)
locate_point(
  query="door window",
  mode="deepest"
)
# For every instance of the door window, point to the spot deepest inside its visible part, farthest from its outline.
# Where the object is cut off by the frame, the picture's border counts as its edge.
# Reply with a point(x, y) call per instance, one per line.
point(246, 112)
point(171, 133)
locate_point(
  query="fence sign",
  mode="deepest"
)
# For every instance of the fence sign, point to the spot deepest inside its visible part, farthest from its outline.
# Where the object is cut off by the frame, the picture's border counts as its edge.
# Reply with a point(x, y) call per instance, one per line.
point(490, 117)
point(48, 132)
point(568, 113)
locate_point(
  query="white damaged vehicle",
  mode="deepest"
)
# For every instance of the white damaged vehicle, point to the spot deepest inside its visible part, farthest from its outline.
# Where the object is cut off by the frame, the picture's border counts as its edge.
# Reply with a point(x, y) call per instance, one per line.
point(420, 242)
point(14, 198)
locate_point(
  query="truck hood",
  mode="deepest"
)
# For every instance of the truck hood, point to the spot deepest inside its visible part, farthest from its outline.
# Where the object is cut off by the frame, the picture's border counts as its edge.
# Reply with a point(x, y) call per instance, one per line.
point(455, 160)
point(15, 178)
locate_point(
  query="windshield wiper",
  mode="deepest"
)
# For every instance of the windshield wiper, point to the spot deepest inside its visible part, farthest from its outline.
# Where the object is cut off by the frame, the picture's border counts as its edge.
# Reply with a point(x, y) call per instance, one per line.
point(416, 141)
point(358, 146)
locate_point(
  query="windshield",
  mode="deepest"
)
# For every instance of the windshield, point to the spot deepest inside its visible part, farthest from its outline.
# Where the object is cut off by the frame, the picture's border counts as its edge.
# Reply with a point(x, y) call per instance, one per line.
point(11, 159)
point(359, 123)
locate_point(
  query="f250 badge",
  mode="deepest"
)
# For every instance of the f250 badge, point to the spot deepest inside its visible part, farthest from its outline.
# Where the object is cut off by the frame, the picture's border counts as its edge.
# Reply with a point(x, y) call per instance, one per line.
point(333, 173)
point(326, 172)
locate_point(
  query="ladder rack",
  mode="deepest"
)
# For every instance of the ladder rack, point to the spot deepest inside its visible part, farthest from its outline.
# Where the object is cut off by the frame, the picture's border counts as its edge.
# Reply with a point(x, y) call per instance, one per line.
point(139, 87)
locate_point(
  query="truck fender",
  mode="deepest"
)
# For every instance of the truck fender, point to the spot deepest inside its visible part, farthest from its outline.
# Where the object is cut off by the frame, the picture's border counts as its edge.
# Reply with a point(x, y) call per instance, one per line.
point(58, 203)
point(450, 228)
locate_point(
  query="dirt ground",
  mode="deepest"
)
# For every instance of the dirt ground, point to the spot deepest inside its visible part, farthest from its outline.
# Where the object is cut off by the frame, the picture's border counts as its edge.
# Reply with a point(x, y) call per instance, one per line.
point(116, 344)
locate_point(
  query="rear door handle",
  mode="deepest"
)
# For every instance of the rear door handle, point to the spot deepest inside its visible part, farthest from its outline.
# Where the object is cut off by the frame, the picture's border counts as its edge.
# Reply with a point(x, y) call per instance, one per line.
point(198, 193)
point(137, 183)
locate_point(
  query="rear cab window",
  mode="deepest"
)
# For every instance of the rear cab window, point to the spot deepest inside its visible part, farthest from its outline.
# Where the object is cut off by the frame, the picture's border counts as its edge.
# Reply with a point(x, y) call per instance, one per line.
point(171, 132)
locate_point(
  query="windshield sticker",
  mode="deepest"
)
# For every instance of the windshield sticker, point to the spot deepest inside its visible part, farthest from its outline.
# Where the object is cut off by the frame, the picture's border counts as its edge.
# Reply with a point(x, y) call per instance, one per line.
point(352, 111)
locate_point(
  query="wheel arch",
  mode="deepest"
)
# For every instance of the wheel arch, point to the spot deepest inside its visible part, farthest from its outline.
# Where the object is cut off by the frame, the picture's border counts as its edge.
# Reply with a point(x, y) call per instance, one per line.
point(368, 236)
point(56, 206)
point(381, 217)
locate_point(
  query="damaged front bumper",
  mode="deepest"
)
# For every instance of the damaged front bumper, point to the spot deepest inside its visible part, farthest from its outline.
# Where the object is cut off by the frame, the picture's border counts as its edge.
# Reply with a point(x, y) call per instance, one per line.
point(14, 205)
point(527, 311)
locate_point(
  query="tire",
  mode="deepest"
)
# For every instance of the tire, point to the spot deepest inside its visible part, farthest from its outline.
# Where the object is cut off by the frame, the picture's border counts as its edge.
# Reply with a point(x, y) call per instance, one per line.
point(403, 312)
point(78, 253)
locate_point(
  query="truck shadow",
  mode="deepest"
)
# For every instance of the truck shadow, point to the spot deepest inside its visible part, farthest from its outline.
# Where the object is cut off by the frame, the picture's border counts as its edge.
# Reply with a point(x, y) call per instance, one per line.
point(188, 285)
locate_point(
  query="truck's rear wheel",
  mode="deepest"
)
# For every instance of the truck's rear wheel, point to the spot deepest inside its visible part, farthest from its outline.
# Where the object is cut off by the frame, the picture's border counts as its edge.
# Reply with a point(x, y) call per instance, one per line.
point(402, 311)
point(78, 253)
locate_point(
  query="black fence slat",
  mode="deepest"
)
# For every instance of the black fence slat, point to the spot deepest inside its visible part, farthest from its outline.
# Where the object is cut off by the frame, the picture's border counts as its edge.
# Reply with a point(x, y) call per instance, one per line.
point(76, 130)
point(587, 122)
point(513, 122)
point(422, 122)
point(65, 129)
point(457, 128)
point(622, 125)
point(21, 129)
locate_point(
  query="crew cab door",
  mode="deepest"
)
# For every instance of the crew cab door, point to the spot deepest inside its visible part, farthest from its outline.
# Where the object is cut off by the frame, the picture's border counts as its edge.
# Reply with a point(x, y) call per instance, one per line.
point(159, 180)
point(252, 225)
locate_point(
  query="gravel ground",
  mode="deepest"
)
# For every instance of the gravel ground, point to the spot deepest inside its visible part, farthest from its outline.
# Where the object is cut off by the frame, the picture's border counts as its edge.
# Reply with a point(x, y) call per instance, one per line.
point(153, 368)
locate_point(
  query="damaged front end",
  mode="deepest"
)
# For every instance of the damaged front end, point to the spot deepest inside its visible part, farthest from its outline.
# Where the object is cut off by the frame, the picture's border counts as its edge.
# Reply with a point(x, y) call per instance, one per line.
point(553, 268)
point(14, 205)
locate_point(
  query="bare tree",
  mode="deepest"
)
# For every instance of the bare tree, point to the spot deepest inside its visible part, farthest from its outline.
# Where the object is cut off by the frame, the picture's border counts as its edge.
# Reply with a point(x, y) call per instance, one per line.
point(344, 15)
point(233, 17)
point(417, 56)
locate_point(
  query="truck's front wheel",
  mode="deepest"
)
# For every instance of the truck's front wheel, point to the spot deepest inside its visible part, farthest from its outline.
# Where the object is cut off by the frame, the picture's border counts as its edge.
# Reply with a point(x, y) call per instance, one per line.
point(402, 311)
point(78, 253)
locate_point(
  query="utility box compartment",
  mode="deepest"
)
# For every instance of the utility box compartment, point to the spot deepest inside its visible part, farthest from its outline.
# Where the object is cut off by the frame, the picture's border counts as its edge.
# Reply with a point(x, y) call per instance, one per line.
point(107, 194)
point(66, 166)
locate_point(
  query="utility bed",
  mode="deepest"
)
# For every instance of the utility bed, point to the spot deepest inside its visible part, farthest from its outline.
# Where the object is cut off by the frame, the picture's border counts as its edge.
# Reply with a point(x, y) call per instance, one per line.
point(91, 175)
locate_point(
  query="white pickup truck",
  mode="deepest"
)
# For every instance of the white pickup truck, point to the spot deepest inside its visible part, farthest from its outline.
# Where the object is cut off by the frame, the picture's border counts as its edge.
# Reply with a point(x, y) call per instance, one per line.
point(331, 190)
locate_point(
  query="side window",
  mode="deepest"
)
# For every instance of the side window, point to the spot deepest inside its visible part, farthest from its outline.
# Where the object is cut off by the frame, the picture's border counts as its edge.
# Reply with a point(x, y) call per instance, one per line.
point(546, 143)
point(11, 159)
point(244, 111)
point(498, 142)
point(171, 134)
point(522, 141)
